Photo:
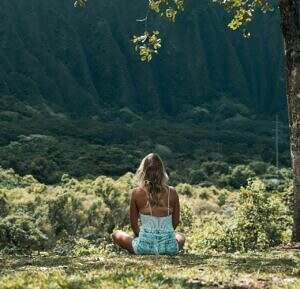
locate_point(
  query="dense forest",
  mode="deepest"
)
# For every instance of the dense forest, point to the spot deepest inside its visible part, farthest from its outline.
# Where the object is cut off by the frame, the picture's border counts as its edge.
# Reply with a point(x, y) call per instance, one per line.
point(79, 61)
point(75, 98)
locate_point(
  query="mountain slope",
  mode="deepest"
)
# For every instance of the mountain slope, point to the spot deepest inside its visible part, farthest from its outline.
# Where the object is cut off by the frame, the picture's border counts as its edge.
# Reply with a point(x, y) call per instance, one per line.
point(78, 61)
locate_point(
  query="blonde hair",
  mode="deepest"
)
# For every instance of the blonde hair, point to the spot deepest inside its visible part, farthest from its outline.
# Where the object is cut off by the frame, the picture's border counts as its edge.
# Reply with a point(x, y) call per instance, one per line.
point(152, 174)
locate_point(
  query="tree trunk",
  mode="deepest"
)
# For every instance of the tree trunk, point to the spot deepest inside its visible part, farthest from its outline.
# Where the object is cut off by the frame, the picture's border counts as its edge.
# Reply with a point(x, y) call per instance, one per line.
point(291, 33)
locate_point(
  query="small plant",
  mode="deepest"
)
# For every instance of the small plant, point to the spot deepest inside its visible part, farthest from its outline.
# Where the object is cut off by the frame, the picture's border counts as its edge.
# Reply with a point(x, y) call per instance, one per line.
point(83, 247)
point(222, 198)
point(184, 189)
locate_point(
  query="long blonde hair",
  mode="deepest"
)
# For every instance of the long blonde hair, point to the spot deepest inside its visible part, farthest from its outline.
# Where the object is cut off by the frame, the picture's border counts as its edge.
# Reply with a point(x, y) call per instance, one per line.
point(152, 174)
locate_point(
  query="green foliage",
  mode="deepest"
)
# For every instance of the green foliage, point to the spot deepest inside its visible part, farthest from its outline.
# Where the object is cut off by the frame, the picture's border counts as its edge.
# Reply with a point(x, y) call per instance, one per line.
point(184, 189)
point(222, 198)
point(147, 44)
point(4, 206)
point(20, 231)
point(37, 217)
point(213, 167)
point(89, 148)
point(258, 167)
point(83, 247)
point(77, 217)
point(166, 8)
point(242, 12)
point(239, 176)
point(259, 221)
point(197, 176)
point(262, 221)
point(9, 179)
point(186, 218)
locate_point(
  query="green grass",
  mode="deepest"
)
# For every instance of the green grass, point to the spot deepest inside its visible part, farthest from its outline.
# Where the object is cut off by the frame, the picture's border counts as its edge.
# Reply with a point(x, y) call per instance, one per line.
point(273, 269)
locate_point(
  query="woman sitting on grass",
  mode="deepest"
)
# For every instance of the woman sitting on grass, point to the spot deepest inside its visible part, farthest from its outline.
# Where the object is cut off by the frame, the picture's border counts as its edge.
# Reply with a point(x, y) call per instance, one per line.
point(157, 205)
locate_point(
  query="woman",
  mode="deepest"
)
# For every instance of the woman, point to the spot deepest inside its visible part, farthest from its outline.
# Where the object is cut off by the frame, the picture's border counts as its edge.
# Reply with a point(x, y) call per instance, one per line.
point(157, 206)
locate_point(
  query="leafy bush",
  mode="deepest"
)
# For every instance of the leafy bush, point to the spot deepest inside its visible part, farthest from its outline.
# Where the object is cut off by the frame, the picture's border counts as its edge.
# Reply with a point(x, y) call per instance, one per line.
point(184, 189)
point(186, 218)
point(198, 176)
point(35, 216)
point(4, 206)
point(239, 176)
point(20, 231)
point(77, 217)
point(258, 167)
point(9, 179)
point(260, 221)
point(222, 198)
point(213, 167)
point(83, 247)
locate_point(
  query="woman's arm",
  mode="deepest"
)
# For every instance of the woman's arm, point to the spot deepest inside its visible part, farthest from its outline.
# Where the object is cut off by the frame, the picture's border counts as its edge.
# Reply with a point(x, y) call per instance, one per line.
point(176, 210)
point(134, 214)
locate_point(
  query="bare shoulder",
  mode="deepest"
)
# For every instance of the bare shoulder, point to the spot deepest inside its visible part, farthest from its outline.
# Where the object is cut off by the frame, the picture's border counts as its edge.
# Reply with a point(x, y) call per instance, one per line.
point(137, 192)
point(173, 192)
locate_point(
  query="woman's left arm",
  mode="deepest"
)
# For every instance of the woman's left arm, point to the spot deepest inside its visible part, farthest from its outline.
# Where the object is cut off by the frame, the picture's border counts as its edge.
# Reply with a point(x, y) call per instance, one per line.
point(134, 215)
point(176, 210)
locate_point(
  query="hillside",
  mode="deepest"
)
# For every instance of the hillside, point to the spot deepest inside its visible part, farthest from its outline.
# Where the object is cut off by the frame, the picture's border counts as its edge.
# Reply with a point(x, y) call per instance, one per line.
point(75, 98)
point(81, 60)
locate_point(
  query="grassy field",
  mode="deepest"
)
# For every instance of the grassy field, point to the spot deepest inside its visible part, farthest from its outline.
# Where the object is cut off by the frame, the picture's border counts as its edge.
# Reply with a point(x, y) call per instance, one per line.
point(273, 269)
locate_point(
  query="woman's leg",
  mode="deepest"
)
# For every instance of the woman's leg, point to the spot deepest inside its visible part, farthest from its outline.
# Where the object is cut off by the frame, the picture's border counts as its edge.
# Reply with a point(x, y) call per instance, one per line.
point(180, 239)
point(123, 240)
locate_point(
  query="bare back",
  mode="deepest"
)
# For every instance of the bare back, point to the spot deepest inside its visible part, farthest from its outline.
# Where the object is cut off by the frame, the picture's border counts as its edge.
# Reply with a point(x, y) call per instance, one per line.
point(139, 205)
point(143, 206)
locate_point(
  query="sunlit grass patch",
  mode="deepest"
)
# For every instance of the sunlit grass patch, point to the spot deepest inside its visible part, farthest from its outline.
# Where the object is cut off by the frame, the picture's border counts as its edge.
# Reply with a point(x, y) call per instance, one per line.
point(274, 269)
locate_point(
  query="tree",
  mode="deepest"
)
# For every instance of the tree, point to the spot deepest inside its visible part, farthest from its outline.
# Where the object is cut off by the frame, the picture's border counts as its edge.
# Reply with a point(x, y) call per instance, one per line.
point(242, 13)
point(291, 33)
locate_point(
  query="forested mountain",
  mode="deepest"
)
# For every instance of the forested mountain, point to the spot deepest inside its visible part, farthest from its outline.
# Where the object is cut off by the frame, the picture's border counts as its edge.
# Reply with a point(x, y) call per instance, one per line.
point(80, 60)
point(76, 99)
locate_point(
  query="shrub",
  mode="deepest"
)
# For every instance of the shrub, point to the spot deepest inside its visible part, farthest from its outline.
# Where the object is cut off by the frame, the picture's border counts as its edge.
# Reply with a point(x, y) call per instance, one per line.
point(186, 218)
point(222, 198)
point(176, 178)
point(222, 180)
point(184, 189)
point(4, 206)
point(36, 216)
point(258, 167)
point(9, 179)
point(239, 176)
point(83, 247)
point(20, 231)
point(65, 213)
point(260, 221)
point(213, 167)
point(198, 176)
